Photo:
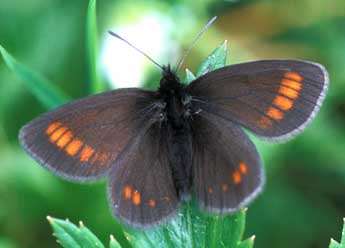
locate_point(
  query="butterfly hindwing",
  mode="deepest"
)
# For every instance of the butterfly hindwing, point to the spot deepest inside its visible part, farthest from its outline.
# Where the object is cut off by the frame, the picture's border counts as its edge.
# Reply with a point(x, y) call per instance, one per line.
point(227, 170)
point(81, 140)
point(275, 99)
point(141, 188)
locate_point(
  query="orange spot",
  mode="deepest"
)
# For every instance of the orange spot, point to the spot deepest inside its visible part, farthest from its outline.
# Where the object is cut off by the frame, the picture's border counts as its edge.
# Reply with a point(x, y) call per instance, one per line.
point(136, 198)
point(264, 122)
point(292, 84)
point(283, 102)
point(236, 177)
point(293, 94)
point(57, 134)
point(127, 192)
point(225, 187)
point(210, 190)
point(52, 127)
point(274, 113)
point(64, 139)
point(86, 153)
point(294, 76)
point(102, 157)
point(152, 203)
point(74, 147)
point(243, 168)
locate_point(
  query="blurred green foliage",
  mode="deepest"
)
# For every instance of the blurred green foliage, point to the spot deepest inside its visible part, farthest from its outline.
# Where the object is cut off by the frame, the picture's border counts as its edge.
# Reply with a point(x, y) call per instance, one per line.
point(304, 200)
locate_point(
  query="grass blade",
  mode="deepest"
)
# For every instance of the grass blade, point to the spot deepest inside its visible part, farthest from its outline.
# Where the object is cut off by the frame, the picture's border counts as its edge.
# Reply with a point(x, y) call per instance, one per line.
point(96, 84)
point(46, 92)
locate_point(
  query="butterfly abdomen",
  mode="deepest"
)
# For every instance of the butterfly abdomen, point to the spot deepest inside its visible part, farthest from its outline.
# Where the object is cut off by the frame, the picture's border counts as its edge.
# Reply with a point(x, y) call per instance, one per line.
point(180, 159)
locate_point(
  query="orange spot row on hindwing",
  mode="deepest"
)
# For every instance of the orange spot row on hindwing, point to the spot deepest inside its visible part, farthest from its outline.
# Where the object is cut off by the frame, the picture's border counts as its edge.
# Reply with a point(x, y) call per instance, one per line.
point(135, 196)
point(236, 177)
point(288, 92)
point(63, 138)
point(238, 173)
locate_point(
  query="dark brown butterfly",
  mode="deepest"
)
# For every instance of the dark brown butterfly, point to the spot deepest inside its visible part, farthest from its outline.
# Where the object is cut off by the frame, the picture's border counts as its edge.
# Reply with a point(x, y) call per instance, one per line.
point(161, 147)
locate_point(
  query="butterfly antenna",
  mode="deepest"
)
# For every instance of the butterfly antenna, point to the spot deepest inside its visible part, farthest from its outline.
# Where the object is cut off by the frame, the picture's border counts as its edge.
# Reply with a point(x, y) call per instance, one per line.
point(131, 45)
point(186, 52)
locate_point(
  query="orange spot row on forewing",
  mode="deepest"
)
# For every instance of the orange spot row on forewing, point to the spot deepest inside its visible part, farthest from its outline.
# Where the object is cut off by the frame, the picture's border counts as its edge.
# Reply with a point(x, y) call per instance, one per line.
point(52, 127)
point(55, 135)
point(63, 138)
point(292, 84)
point(264, 122)
point(66, 137)
point(101, 157)
point(294, 76)
point(274, 113)
point(288, 92)
point(283, 102)
point(73, 147)
point(86, 153)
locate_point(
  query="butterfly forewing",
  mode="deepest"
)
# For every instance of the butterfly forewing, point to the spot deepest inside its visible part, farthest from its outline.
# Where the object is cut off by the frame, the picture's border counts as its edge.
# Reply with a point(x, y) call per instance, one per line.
point(227, 170)
point(141, 188)
point(275, 99)
point(82, 139)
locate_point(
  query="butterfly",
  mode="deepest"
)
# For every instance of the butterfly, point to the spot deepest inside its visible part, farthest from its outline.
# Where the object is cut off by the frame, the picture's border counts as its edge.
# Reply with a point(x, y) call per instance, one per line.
point(161, 147)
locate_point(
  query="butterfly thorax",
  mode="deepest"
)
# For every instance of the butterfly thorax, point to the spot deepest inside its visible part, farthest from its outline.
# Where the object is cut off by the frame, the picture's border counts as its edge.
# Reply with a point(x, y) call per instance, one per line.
point(175, 121)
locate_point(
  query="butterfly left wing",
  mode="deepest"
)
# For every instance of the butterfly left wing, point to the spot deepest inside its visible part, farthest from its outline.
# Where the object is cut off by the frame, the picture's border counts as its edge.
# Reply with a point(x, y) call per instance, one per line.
point(275, 99)
point(81, 140)
point(227, 170)
point(141, 188)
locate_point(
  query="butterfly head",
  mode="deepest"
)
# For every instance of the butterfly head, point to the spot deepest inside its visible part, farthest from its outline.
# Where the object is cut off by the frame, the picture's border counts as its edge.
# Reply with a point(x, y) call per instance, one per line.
point(169, 81)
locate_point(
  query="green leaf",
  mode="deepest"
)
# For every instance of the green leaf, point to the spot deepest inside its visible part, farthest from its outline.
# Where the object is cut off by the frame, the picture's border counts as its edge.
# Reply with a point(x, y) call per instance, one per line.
point(215, 60)
point(335, 244)
point(46, 92)
point(96, 84)
point(193, 228)
point(71, 236)
point(113, 243)
point(248, 243)
point(189, 76)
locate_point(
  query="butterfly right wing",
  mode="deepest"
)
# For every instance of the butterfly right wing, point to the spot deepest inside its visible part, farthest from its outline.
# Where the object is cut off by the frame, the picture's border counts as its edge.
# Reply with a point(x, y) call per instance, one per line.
point(81, 140)
point(275, 99)
point(227, 170)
